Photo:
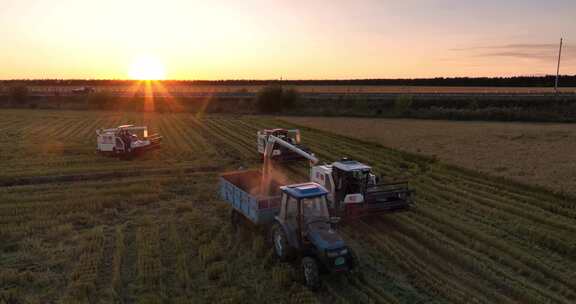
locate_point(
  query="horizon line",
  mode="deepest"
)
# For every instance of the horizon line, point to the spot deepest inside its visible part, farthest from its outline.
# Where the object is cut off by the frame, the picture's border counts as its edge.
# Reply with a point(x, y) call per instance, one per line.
point(285, 80)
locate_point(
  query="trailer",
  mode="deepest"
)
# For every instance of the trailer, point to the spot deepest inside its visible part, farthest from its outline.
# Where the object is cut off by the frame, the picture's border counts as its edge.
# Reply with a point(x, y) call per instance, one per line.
point(243, 191)
point(297, 218)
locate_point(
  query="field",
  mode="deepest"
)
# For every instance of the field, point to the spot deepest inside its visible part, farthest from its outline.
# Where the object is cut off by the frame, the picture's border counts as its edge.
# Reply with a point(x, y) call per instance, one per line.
point(535, 153)
point(76, 227)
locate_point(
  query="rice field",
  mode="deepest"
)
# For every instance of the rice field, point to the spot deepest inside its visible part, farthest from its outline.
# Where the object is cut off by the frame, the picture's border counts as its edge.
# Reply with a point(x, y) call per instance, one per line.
point(540, 154)
point(76, 227)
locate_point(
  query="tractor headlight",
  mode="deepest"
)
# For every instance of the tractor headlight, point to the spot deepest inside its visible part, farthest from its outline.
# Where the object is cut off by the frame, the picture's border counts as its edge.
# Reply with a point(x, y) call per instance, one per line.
point(332, 254)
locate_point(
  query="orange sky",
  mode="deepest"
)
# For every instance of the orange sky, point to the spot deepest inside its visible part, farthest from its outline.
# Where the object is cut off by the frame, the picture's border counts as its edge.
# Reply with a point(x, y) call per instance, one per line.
point(291, 39)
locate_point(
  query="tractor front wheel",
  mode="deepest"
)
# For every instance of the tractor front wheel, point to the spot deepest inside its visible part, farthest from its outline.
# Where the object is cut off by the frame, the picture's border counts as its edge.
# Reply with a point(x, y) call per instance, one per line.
point(280, 242)
point(310, 273)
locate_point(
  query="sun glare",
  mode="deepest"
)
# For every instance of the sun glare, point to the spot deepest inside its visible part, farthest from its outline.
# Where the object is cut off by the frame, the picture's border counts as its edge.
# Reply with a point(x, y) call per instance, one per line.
point(147, 68)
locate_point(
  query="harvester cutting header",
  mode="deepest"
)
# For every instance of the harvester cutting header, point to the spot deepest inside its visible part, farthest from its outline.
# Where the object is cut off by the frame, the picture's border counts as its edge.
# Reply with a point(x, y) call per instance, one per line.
point(126, 140)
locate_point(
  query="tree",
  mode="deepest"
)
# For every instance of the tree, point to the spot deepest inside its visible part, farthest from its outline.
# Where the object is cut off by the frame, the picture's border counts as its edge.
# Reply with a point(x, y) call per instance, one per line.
point(18, 94)
point(289, 98)
point(402, 104)
point(274, 99)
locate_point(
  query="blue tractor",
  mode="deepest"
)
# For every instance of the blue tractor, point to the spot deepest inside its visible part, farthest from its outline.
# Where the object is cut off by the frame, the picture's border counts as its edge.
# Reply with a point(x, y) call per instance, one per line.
point(301, 230)
point(304, 229)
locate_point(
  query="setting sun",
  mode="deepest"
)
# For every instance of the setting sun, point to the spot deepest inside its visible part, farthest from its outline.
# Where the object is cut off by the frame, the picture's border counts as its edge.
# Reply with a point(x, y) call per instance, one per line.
point(147, 68)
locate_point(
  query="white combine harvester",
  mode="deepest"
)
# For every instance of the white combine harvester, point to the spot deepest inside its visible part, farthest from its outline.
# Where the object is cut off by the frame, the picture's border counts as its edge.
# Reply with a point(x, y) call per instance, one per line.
point(353, 190)
point(282, 152)
point(126, 140)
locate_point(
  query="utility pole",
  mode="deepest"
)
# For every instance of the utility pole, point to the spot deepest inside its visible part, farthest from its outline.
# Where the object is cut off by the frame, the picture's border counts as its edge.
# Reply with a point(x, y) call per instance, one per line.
point(558, 68)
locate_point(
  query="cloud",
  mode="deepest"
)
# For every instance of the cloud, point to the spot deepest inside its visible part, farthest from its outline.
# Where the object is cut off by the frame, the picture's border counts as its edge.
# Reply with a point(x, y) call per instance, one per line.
point(522, 55)
point(524, 46)
point(535, 51)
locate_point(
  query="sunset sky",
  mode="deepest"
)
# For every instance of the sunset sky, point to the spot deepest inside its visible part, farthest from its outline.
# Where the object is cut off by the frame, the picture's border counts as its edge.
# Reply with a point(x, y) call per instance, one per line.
point(293, 39)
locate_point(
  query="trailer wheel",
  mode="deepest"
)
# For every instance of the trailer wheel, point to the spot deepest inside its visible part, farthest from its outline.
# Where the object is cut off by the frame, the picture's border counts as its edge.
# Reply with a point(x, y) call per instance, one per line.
point(310, 273)
point(280, 242)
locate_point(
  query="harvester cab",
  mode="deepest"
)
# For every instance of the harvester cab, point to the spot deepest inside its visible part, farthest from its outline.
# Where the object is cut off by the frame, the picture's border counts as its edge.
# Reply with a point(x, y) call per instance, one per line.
point(354, 190)
point(126, 140)
point(303, 228)
point(284, 142)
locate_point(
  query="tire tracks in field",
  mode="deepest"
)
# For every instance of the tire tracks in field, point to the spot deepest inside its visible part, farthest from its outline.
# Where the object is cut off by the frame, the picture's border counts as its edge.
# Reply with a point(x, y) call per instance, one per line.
point(508, 209)
point(427, 275)
point(485, 244)
point(19, 181)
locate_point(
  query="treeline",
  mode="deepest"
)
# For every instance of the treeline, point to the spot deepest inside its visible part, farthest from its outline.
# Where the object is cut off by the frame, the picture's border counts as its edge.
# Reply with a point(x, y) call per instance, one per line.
point(270, 99)
point(536, 108)
point(517, 81)
point(276, 99)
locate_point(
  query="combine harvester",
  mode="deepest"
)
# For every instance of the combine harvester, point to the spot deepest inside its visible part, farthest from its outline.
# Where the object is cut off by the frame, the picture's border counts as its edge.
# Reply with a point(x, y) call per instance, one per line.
point(353, 190)
point(281, 153)
point(126, 141)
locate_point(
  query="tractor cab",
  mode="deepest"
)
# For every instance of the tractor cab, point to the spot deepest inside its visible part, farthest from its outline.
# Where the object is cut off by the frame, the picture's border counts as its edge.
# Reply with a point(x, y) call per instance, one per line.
point(304, 228)
point(303, 205)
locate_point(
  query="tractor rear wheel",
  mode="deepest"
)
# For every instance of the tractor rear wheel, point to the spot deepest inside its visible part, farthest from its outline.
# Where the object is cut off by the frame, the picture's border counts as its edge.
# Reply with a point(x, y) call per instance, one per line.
point(310, 273)
point(280, 242)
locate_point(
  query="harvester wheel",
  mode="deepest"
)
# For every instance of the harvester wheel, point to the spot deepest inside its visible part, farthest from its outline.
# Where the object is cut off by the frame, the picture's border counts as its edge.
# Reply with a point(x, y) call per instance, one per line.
point(281, 246)
point(310, 273)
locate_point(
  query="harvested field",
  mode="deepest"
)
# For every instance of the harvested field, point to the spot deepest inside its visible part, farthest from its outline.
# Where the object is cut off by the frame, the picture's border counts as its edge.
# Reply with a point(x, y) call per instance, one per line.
point(535, 153)
point(152, 230)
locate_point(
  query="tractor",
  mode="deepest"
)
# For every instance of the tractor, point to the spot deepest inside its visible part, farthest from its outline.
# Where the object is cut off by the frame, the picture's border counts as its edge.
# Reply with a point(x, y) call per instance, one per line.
point(295, 217)
point(303, 229)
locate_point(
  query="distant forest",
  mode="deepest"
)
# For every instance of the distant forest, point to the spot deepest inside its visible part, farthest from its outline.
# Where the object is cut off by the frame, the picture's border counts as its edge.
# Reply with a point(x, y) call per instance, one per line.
point(519, 81)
